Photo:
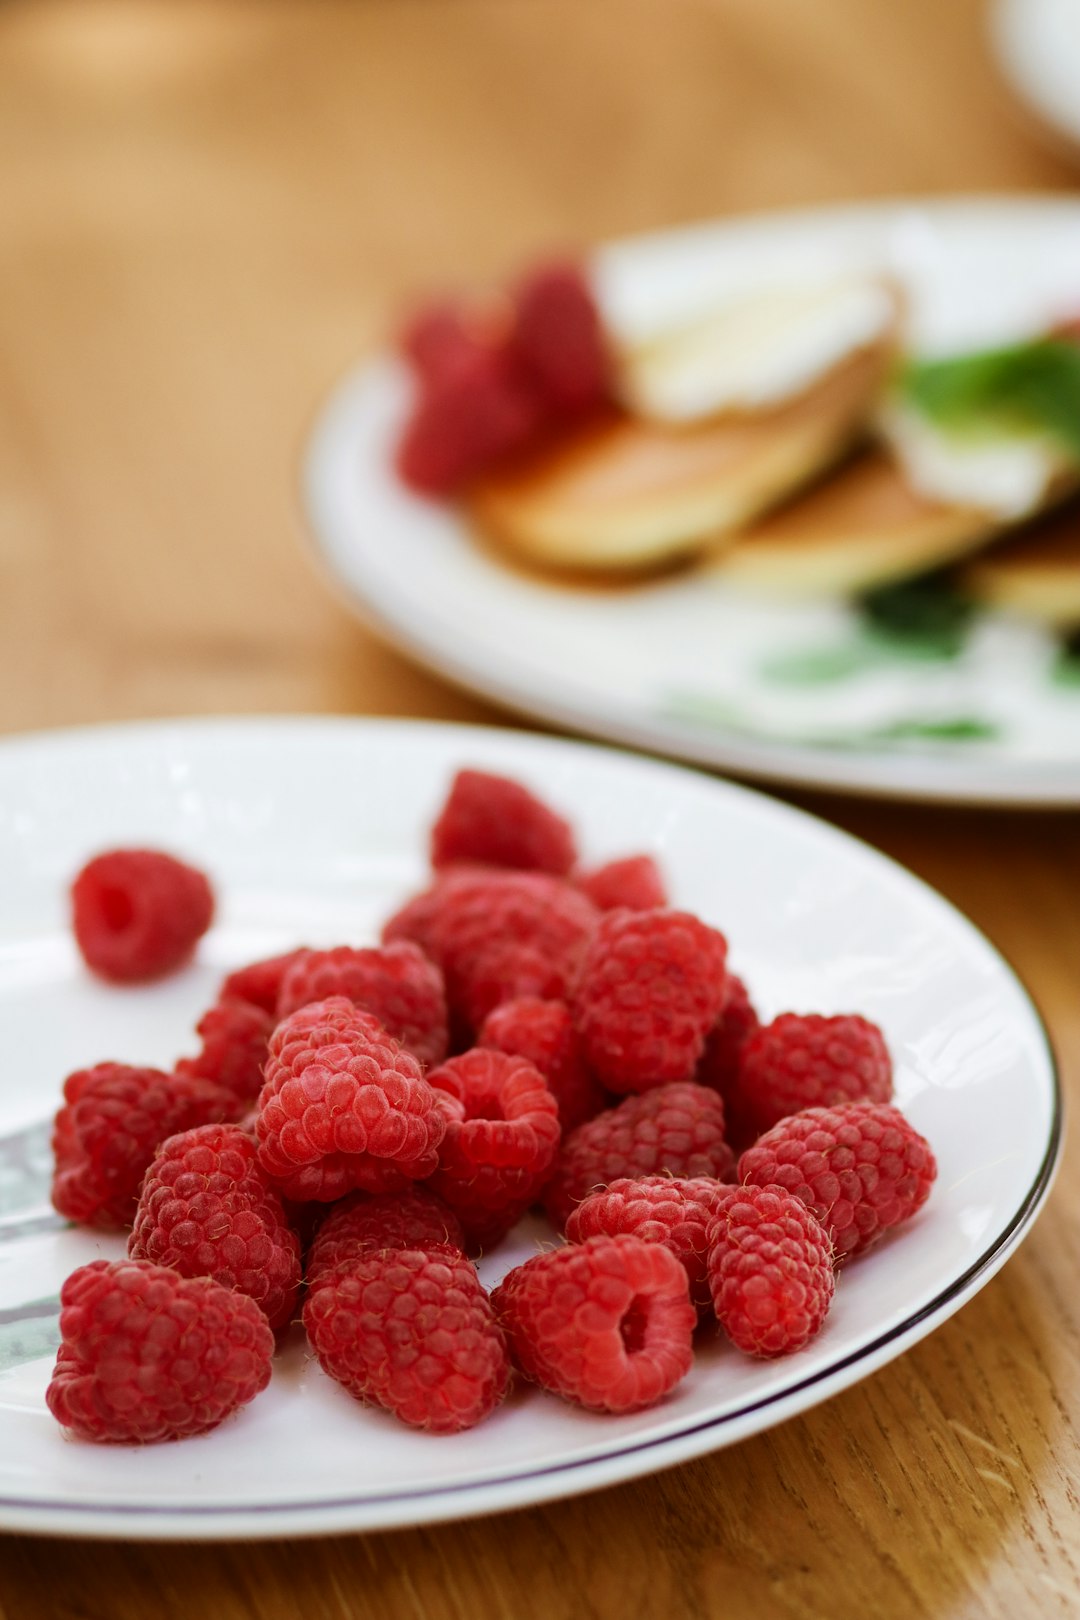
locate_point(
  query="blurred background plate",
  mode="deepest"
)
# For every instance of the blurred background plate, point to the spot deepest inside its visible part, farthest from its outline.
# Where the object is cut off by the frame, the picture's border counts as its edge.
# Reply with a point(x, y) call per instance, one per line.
point(1038, 48)
point(799, 692)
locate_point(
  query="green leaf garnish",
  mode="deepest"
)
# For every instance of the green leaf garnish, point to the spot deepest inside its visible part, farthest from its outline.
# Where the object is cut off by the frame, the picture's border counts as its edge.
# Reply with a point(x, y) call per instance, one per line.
point(1027, 387)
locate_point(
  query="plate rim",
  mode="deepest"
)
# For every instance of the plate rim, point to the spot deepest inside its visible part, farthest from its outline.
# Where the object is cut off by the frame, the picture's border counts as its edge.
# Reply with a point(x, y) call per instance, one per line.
point(894, 775)
point(632, 1460)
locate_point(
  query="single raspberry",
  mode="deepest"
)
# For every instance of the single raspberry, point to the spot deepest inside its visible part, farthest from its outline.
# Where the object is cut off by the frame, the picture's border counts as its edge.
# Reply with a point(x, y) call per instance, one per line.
point(146, 1354)
point(110, 1125)
point(559, 338)
point(344, 1106)
point(397, 984)
point(543, 1032)
point(631, 884)
point(770, 1270)
point(138, 914)
point(651, 988)
point(812, 1062)
point(676, 1130)
point(501, 1140)
point(657, 1209)
point(497, 821)
point(360, 1225)
point(861, 1168)
point(607, 1323)
point(260, 982)
point(719, 1063)
point(207, 1210)
point(438, 337)
point(470, 415)
point(412, 1332)
point(235, 1036)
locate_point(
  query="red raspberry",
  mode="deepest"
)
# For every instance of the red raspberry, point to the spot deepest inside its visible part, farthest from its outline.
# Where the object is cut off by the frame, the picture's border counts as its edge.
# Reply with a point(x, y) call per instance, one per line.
point(501, 1141)
point(344, 1106)
point(207, 1210)
point(809, 1062)
point(138, 914)
point(657, 1209)
point(651, 988)
point(860, 1168)
point(631, 884)
point(414, 1333)
point(260, 982)
point(360, 1225)
point(108, 1130)
point(607, 1323)
point(398, 985)
point(770, 1270)
point(677, 1130)
point(497, 821)
point(146, 1354)
point(559, 338)
point(543, 1032)
point(719, 1064)
point(235, 1037)
point(416, 920)
point(438, 337)
point(470, 415)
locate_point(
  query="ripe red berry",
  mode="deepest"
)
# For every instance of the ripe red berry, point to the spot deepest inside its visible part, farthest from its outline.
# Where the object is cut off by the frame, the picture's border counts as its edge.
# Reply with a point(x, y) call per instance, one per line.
point(107, 1131)
point(500, 1143)
point(543, 1032)
point(607, 1323)
point(146, 1354)
point(633, 883)
point(718, 1066)
point(207, 1210)
point(344, 1106)
point(559, 339)
point(412, 1332)
point(236, 1037)
point(138, 914)
point(861, 1168)
point(470, 415)
point(361, 1225)
point(260, 982)
point(496, 821)
point(809, 1062)
point(657, 1209)
point(651, 988)
point(397, 984)
point(770, 1270)
point(676, 1130)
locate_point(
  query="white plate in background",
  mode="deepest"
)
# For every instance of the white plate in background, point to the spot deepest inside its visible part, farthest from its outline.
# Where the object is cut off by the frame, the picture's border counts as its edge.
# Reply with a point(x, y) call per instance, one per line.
point(1037, 43)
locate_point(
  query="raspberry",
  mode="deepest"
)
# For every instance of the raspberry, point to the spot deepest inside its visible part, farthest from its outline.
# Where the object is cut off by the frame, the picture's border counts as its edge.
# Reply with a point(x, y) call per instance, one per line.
point(398, 985)
point(501, 1141)
point(260, 982)
point(499, 935)
point(495, 820)
point(146, 1354)
point(543, 1032)
point(360, 1225)
point(138, 914)
point(808, 1062)
point(207, 1210)
point(676, 1130)
point(470, 415)
point(109, 1128)
point(559, 338)
point(437, 338)
point(651, 988)
point(606, 1323)
point(719, 1064)
point(344, 1106)
point(235, 1037)
point(416, 919)
point(414, 1333)
point(633, 884)
point(860, 1168)
point(770, 1270)
point(657, 1209)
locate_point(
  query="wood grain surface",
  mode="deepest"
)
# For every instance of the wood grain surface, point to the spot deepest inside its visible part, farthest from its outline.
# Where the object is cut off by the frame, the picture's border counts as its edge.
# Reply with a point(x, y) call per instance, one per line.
point(207, 211)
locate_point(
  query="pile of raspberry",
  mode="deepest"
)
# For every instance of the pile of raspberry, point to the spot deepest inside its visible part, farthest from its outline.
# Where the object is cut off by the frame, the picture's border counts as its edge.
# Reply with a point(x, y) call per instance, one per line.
point(361, 1122)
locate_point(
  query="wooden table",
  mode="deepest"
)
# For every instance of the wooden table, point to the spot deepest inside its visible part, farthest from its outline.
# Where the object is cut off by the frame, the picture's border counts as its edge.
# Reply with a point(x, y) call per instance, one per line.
point(207, 212)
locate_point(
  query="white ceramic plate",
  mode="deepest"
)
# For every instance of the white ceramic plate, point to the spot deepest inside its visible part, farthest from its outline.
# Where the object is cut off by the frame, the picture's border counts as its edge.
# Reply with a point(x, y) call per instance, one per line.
point(687, 666)
point(1038, 47)
point(313, 830)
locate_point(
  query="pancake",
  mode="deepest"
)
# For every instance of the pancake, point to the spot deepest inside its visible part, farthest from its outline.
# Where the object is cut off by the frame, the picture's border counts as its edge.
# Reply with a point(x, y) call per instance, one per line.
point(1034, 573)
point(628, 494)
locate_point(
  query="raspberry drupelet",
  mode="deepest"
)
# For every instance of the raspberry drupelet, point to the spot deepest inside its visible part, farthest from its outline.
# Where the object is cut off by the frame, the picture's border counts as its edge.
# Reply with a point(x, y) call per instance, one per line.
point(138, 913)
